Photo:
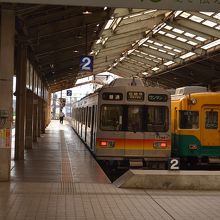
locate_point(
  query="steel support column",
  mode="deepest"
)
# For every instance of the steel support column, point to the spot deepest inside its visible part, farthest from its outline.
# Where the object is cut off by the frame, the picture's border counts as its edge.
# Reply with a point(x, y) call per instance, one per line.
point(20, 101)
point(29, 119)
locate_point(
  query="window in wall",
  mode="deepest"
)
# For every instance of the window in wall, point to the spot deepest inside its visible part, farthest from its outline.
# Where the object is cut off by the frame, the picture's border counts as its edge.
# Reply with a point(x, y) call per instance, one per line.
point(111, 117)
point(31, 77)
point(27, 75)
point(157, 118)
point(89, 117)
point(211, 120)
point(189, 119)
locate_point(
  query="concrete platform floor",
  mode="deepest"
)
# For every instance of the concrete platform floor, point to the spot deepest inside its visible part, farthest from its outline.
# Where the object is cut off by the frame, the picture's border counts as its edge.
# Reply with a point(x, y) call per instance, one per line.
point(60, 180)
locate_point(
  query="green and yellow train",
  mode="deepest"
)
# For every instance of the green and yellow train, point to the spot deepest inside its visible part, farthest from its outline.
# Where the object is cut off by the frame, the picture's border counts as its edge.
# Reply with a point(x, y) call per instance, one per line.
point(195, 125)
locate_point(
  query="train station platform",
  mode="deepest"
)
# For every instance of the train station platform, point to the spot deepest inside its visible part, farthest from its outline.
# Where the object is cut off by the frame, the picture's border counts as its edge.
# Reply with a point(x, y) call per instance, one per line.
point(59, 179)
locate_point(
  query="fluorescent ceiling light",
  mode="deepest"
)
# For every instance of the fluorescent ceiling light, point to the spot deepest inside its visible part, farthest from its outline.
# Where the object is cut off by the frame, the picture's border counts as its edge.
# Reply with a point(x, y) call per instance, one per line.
point(209, 23)
point(196, 19)
point(155, 68)
point(86, 12)
point(207, 13)
point(200, 38)
point(212, 44)
point(187, 55)
point(217, 16)
point(177, 31)
point(185, 15)
point(189, 34)
point(169, 63)
point(170, 35)
point(192, 43)
point(109, 23)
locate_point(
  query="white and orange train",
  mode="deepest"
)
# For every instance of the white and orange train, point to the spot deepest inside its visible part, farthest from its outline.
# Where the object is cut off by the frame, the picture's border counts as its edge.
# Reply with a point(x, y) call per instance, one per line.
point(125, 121)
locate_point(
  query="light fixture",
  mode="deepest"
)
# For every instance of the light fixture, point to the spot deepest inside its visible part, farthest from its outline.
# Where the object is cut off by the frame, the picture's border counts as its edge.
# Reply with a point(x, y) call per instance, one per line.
point(75, 51)
point(87, 12)
point(79, 36)
point(105, 8)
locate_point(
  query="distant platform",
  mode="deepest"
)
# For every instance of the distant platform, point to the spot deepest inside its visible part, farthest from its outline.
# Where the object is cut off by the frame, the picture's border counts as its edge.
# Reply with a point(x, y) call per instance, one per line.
point(164, 179)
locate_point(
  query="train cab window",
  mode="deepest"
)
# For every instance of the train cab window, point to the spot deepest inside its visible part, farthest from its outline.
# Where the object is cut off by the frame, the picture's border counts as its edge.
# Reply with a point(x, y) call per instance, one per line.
point(111, 117)
point(211, 120)
point(157, 118)
point(189, 120)
point(135, 118)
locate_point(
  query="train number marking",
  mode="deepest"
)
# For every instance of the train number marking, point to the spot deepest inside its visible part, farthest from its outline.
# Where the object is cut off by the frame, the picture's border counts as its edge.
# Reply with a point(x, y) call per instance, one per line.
point(174, 164)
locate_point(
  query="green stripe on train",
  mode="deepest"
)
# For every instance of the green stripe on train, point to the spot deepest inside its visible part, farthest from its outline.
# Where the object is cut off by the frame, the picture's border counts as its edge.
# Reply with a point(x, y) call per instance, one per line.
point(181, 143)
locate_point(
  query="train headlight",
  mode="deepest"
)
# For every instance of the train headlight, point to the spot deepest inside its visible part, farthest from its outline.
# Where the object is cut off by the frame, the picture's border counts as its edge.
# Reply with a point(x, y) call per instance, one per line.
point(107, 144)
point(103, 143)
point(160, 145)
point(193, 101)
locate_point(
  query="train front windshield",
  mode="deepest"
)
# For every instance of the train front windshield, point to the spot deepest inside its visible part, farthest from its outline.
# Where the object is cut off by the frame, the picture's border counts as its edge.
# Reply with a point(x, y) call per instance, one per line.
point(134, 118)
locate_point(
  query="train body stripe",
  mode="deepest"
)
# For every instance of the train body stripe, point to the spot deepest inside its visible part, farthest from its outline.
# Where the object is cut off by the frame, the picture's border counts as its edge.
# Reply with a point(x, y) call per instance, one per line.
point(133, 143)
point(181, 147)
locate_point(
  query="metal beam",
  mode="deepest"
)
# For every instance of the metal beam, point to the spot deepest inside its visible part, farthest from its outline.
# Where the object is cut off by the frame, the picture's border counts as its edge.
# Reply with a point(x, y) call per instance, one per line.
point(133, 56)
point(148, 4)
point(119, 72)
point(156, 53)
point(117, 50)
point(199, 27)
point(115, 40)
point(132, 66)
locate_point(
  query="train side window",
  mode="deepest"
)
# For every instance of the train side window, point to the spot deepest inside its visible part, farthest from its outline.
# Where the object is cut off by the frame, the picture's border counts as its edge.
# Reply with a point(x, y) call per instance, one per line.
point(189, 119)
point(111, 117)
point(157, 118)
point(211, 120)
point(89, 117)
point(95, 116)
point(86, 115)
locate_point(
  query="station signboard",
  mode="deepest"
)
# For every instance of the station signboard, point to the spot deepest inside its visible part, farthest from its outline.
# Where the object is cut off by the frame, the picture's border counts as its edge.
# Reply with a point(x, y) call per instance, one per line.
point(86, 63)
point(68, 92)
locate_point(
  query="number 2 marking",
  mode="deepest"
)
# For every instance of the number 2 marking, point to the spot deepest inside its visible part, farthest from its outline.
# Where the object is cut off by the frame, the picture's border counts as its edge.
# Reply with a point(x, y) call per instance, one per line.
point(86, 62)
point(174, 164)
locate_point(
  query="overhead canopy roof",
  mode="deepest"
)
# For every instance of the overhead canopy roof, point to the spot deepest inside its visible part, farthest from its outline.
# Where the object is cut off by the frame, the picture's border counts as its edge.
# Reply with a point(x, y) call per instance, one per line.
point(56, 37)
point(173, 48)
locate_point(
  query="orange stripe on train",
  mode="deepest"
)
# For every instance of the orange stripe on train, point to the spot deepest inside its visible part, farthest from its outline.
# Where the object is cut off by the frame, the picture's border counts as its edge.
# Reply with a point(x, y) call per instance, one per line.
point(131, 143)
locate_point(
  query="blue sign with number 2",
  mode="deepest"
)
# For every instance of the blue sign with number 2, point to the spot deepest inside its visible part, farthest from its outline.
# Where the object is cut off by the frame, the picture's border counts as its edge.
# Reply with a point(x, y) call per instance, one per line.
point(86, 63)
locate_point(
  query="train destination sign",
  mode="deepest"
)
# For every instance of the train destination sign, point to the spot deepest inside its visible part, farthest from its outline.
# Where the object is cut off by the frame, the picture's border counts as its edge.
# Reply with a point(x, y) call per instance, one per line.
point(157, 97)
point(135, 96)
point(112, 96)
point(188, 5)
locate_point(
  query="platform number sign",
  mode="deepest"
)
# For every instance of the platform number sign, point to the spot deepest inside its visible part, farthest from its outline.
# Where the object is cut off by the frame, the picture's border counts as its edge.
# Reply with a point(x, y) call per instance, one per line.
point(86, 63)
point(174, 164)
point(68, 92)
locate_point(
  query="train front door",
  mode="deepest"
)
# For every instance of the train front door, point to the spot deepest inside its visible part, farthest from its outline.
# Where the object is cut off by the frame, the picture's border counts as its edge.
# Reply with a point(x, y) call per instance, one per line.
point(134, 137)
point(210, 126)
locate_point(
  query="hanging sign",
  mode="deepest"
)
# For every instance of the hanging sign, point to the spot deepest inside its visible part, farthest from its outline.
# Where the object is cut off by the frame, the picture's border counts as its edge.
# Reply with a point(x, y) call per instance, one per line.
point(68, 92)
point(86, 63)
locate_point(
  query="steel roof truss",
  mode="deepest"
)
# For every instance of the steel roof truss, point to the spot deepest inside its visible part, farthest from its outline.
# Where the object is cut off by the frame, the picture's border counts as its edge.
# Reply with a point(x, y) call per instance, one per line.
point(199, 27)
